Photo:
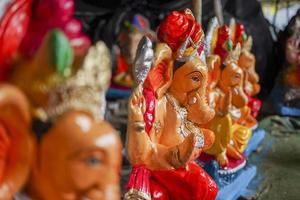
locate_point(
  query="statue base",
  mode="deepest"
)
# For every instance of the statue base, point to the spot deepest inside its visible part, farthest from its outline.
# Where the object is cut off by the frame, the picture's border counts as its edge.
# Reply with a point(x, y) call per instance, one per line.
point(232, 183)
point(234, 180)
point(257, 137)
point(237, 187)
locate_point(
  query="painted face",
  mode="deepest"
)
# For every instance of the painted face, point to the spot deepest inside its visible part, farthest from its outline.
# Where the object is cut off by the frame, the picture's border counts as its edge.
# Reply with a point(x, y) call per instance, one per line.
point(232, 79)
point(77, 158)
point(189, 87)
point(232, 75)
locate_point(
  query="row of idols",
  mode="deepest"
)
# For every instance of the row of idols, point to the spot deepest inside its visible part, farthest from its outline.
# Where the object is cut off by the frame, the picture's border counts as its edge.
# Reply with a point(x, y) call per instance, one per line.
point(192, 100)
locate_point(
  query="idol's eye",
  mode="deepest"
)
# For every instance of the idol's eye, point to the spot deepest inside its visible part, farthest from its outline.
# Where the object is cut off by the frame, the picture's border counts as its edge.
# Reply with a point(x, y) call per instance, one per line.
point(237, 76)
point(93, 161)
point(195, 78)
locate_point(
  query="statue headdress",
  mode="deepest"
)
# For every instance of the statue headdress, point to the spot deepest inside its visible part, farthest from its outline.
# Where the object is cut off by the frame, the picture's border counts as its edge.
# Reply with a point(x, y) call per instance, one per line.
point(238, 35)
point(211, 36)
point(82, 88)
point(85, 90)
point(218, 39)
point(233, 55)
point(183, 35)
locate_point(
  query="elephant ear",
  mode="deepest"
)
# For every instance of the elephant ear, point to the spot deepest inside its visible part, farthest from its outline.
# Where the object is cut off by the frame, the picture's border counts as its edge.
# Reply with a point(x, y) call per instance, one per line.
point(15, 139)
point(160, 76)
point(13, 99)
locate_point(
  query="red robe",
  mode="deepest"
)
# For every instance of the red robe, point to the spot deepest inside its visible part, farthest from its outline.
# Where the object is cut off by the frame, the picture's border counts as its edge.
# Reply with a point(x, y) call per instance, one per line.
point(188, 183)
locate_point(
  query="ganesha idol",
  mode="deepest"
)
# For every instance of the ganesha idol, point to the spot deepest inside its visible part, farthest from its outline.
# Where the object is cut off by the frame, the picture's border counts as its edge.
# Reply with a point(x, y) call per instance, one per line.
point(220, 44)
point(227, 97)
point(77, 153)
point(166, 111)
point(247, 63)
point(127, 41)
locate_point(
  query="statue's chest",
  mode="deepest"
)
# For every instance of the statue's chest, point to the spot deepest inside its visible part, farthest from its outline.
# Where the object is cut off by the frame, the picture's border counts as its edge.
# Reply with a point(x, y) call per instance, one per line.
point(178, 127)
point(171, 128)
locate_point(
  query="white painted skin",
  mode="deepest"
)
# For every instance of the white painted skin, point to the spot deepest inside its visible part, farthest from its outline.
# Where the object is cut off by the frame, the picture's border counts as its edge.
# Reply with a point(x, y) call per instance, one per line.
point(105, 141)
point(84, 123)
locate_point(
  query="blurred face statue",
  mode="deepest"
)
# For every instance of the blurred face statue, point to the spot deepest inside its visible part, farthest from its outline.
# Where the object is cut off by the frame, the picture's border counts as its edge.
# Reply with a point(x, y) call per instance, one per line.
point(78, 158)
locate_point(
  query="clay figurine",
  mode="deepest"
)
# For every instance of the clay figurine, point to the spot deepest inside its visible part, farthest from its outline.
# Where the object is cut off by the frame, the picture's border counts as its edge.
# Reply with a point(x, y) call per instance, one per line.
point(166, 110)
point(78, 153)
point(227, 97)
point(130, 35)
point(247, 63)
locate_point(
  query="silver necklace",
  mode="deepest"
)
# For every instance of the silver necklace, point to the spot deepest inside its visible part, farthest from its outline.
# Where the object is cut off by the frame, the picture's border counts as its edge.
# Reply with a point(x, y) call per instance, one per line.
point(186, 124)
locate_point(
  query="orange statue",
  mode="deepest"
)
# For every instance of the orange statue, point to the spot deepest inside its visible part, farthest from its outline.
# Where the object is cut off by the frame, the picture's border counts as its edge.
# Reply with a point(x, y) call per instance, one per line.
point(166, 110)
point(78, 153)
point(16, 144)
point(226, 96)
point(247, 63)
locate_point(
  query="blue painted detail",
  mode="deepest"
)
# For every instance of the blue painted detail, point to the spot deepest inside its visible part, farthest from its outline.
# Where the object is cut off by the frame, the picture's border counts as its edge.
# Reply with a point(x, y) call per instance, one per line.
point(287, 111)
point(118, 93)
point(256, 139)
point(222, 180)
point(212, 169)
point(239, 185)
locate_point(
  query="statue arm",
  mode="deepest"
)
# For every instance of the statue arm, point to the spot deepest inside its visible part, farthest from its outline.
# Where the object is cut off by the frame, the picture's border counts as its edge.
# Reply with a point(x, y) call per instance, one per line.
point(224, 102)
point(144, 149)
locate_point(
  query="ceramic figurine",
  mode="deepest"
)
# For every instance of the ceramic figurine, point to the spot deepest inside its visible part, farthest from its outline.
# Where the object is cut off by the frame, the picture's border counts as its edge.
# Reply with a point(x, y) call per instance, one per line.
point(16, 144)
point(130, 35)
point(78, 153)
point(14, 20)
point(227, 97)
point(247, 63)
point(226, 160)
point(166, 110)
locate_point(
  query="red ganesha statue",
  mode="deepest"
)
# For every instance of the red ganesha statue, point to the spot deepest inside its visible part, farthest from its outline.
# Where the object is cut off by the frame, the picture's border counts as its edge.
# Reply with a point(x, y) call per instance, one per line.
point(166, 110)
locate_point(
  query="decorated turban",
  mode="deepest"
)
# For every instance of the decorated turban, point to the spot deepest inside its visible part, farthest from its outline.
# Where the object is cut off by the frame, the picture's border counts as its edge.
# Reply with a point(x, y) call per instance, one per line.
point(177, 27)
